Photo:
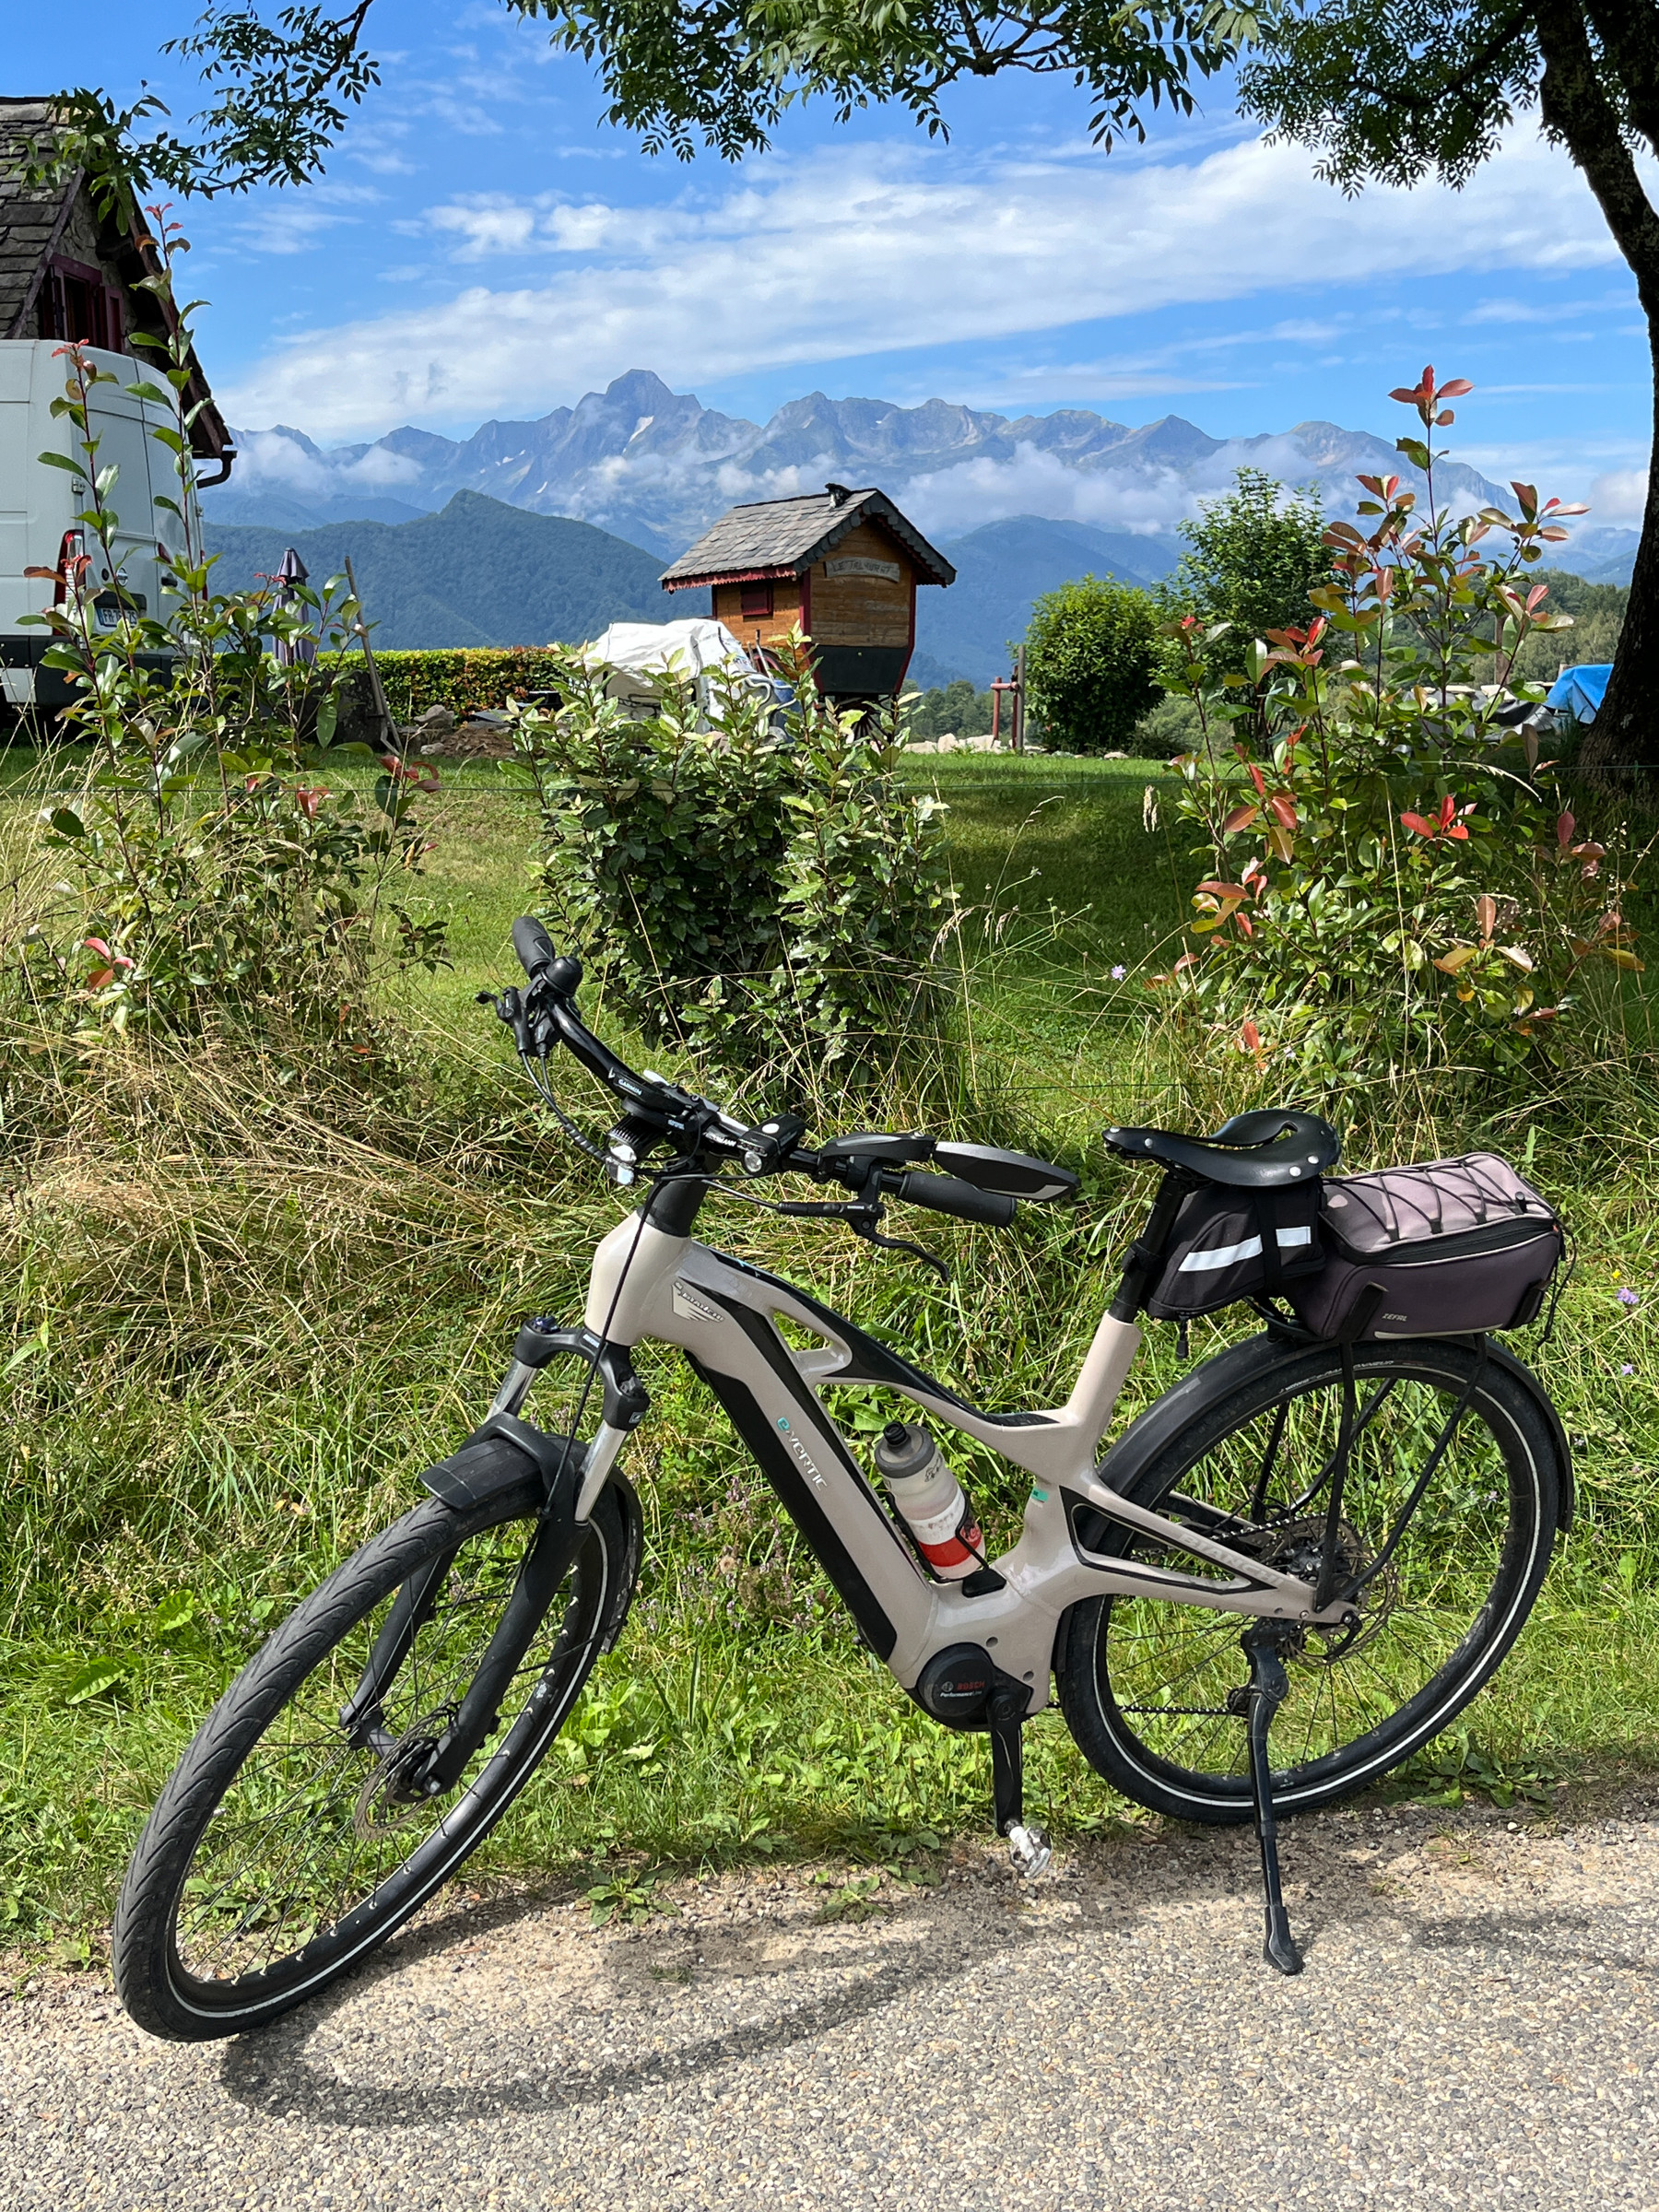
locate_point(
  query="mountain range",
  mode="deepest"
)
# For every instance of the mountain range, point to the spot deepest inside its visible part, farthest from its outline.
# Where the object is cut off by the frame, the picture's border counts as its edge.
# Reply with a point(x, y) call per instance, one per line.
point(1019, 504)
point(479, 573)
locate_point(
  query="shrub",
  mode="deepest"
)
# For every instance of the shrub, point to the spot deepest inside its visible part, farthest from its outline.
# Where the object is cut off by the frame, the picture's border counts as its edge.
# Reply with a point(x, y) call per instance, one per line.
point(216, 872)
point(464, 679)
point(751, 883)
point(1165, 731)
point(1091, 661)
point(1254, 555)
point(1391, 879)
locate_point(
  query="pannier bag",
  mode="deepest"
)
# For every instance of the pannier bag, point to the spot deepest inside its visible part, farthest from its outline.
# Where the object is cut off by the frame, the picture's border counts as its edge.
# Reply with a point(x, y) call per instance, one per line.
point(1441, 1249)
point(1228, 1245)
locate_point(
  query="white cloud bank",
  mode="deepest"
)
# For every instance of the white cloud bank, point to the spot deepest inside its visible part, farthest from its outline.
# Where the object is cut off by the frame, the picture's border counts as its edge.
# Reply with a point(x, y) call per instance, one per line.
point(859, 250)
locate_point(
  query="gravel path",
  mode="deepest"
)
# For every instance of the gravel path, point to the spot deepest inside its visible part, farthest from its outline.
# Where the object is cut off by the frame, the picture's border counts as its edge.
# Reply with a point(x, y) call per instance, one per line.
point(1476, 2027)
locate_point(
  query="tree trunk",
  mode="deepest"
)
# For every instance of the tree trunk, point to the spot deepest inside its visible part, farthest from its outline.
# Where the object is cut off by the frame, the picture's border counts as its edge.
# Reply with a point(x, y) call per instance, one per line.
point(1578, 113)
point(1626, 729)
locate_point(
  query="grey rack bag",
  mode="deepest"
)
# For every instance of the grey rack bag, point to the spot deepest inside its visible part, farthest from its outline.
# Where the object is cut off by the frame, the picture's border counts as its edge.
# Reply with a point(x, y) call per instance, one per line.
point(1445, 1249)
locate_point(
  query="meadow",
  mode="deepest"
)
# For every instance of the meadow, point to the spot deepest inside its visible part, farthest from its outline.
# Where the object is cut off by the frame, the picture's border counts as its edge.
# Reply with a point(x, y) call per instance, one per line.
point(245, 1305)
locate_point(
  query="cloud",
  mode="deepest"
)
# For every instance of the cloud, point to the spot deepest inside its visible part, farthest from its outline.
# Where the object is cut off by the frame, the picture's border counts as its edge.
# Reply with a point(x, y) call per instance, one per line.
point(1620, 496)
point(274, 458)
point(858, 250)
point(289, 223)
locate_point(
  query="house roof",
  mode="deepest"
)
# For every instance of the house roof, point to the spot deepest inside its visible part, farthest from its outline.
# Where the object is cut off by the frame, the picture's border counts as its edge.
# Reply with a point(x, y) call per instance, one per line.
point(784, 537)
point(32, 224)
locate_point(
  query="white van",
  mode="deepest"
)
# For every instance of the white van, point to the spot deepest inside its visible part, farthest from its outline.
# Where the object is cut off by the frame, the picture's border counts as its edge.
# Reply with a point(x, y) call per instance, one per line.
point(39, 504)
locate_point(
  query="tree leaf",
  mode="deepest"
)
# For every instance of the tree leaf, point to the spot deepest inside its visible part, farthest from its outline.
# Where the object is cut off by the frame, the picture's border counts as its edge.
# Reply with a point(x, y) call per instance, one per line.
point(96, 1679)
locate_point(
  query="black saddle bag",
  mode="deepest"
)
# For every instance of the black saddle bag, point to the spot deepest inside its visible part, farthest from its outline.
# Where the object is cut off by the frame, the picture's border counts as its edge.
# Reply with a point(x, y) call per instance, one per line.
point(1445, 1249)
point(1228, 1244)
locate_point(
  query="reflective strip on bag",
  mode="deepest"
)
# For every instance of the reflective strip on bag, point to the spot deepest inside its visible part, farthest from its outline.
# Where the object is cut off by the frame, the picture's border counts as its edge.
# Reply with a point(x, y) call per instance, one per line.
point(1229, 1256)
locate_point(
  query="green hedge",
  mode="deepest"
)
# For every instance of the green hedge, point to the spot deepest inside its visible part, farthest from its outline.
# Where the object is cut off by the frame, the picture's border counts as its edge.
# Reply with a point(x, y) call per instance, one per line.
point(461, 678)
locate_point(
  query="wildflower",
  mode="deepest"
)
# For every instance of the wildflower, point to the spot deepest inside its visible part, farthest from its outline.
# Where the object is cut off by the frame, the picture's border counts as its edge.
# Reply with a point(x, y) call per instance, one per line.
point(1119, 972)
point(1627, 1299)
point(1627, 1369)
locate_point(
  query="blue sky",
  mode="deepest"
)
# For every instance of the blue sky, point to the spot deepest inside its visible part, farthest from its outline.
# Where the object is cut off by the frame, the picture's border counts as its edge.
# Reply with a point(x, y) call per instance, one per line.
point(482, 247)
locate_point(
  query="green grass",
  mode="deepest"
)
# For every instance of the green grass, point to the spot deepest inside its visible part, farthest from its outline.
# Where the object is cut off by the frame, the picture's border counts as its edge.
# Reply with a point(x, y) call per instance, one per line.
point(269, 1303)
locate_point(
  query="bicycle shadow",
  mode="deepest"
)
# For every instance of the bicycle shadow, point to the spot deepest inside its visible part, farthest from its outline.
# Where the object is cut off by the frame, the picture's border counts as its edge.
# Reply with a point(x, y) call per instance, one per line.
point(644, 1989)
point(272, 2072)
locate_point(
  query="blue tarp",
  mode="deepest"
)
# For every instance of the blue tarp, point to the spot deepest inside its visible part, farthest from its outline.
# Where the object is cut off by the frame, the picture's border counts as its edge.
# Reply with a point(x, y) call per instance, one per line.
point(1579, 691)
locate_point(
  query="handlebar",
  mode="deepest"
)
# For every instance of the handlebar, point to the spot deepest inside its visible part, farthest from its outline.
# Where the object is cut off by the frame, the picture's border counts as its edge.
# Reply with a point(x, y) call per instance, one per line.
point(949, 1195)
point(657, 1111)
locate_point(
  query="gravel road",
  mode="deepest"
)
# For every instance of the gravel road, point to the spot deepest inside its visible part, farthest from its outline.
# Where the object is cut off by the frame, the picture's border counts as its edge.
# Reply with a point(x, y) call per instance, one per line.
point(1476, 2027)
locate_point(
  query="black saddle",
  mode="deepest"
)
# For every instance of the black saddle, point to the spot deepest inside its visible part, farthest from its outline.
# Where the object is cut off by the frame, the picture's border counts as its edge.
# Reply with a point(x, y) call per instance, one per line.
point(1260, 1152)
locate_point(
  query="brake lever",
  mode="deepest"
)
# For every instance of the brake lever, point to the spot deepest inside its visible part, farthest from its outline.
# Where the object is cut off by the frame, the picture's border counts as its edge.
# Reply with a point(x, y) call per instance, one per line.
point(860, 1215)
point(867, 1229)
point(509, 1008)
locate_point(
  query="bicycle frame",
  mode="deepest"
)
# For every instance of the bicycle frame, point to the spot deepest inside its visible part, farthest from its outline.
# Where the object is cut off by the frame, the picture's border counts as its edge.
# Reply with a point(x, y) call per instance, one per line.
point(723, 1313)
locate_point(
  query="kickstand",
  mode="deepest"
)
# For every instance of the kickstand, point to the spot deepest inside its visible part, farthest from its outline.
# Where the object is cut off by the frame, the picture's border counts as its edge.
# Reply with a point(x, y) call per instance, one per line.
point(1029, 1848)
point(1268, 1688)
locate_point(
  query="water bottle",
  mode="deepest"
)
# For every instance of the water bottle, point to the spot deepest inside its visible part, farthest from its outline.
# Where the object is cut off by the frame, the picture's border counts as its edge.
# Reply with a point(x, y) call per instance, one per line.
point(930, 1497)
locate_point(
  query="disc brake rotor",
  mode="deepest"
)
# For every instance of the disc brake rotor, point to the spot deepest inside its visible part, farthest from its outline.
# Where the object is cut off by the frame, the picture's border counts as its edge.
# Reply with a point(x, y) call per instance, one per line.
point(386, 1800)
point(1299, 1549)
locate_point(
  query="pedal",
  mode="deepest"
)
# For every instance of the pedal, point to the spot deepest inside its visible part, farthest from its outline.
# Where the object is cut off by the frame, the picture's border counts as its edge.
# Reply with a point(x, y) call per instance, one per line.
point(1030, 1851)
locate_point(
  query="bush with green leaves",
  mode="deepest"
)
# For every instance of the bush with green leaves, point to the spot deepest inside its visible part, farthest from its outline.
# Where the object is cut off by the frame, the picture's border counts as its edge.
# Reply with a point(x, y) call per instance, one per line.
point(214, 870)
point(1394, 880)
point(749, 882)
point(1254, 555)
point(1091, 663)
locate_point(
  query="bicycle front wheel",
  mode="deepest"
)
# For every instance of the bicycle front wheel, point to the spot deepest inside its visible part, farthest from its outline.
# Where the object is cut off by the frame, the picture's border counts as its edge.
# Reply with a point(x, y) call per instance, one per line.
point(1469, 1505)
point(288, 1842)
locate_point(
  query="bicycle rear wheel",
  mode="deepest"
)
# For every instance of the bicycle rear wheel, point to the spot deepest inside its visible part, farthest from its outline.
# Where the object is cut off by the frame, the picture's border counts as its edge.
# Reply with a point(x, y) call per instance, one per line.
point(1144, 1685)
point(286, 1846)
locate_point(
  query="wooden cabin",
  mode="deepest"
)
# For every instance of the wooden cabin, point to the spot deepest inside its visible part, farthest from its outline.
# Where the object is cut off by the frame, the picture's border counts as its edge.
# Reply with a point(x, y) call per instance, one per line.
point(841, 565)
point(68, 273)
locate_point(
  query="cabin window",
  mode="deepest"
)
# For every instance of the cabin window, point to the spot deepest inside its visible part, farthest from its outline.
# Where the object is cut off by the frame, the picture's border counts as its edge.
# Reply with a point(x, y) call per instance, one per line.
point(755, 599)
point(79, 308)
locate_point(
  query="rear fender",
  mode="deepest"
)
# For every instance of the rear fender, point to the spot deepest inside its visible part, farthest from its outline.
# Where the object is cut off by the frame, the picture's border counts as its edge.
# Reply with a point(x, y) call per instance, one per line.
point(1125, 1467)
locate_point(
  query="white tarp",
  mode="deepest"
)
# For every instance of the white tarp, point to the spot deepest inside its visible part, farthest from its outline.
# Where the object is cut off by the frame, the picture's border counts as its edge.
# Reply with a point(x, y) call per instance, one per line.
point(643, 649)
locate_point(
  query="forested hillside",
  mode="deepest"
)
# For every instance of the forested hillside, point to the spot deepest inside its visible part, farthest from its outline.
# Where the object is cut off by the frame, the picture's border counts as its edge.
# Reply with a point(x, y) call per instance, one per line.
point(476, 573)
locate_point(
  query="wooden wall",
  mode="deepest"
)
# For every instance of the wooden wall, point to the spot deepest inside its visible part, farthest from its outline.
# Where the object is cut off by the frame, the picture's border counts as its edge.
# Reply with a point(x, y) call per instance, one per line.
point(864, 610)
point(759, 630)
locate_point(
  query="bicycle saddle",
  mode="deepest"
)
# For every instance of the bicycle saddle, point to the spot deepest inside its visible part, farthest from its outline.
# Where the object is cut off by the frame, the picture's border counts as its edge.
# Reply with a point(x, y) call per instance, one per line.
point(1259, 1151)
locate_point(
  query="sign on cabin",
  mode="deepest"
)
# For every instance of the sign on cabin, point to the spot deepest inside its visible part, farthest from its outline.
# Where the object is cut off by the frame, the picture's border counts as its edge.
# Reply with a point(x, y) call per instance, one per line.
point(843, 566)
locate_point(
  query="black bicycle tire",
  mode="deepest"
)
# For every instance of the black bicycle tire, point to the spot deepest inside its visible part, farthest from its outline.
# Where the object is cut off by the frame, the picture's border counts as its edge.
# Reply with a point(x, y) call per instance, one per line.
point(156, 1992)
point(1537, 1479)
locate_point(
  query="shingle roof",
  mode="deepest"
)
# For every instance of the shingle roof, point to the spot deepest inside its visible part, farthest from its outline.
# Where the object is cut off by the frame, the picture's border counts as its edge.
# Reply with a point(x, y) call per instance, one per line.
point(30, 225)
point(29, 222)
point(785, 537)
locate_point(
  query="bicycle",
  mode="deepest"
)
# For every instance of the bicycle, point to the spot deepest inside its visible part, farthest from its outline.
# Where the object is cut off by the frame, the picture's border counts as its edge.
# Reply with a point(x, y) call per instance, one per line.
point(1357, 1528)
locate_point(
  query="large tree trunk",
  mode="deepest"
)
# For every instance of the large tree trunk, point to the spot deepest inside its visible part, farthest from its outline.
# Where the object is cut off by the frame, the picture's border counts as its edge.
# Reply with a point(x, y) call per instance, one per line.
point(1577, 112)
point(1626, 729)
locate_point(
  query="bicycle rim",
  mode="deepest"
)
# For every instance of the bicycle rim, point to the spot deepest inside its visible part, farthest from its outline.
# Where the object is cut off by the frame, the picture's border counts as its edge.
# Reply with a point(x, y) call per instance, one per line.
point(311, 1855)
point(1151, 1682)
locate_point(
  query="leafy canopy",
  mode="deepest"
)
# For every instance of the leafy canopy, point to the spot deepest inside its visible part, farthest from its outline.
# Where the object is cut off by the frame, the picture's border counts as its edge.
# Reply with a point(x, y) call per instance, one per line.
point(1255, 554)
point(681, 73)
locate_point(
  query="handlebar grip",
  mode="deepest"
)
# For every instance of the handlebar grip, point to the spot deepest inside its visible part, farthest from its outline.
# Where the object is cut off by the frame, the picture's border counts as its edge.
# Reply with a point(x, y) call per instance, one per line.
point(534, 947)
point(949, 1195)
